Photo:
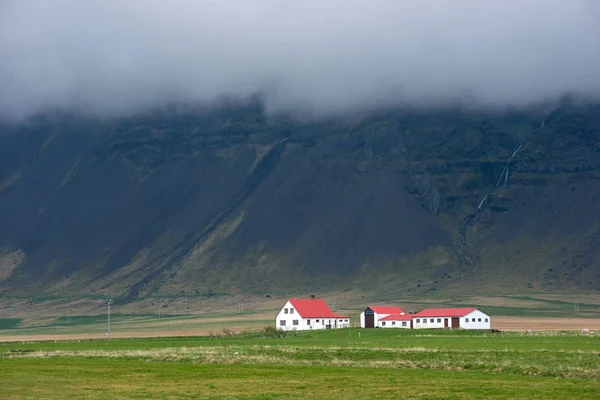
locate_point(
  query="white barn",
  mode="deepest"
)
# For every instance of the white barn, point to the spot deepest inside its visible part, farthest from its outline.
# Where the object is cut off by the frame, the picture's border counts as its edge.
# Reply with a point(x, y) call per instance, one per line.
point(371, 316)
point(457, 318)
point(307, 314)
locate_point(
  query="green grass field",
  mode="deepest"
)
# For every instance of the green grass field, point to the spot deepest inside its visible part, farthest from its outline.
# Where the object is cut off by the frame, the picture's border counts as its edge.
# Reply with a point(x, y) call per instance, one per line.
point(324, 364)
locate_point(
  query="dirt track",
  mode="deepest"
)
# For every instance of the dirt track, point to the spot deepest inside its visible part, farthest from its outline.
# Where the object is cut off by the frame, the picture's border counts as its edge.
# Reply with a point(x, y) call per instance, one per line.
point(116, 335)
point(501, 322)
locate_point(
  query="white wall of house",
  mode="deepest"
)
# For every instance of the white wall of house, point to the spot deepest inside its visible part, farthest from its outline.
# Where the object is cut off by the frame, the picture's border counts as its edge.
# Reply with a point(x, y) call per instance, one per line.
point(394, 324)
point(430, 322)
point(476, 320)
point(288, 319)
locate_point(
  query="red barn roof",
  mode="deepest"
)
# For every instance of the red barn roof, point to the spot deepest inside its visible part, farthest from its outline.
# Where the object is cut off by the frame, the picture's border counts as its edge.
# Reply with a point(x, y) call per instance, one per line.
point(444, 312)
point(313, 308)
point(405, 317)
point(387, 310)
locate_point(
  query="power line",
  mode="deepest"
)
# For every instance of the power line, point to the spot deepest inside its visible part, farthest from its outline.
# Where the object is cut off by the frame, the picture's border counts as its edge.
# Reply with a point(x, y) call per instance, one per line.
point(108, 325)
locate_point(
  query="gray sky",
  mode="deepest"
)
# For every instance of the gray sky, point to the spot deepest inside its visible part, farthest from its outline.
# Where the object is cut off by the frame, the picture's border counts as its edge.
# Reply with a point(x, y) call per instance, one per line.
point(324, 55)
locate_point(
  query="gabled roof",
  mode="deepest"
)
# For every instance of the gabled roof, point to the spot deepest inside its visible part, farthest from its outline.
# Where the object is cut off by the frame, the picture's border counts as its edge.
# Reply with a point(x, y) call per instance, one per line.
point(313, 308)
point(444, 312)
point(397, 317)
point(386, 309)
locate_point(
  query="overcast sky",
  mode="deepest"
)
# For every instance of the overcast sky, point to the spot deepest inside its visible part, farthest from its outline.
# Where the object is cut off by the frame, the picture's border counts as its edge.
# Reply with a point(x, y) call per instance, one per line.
point(324, 55)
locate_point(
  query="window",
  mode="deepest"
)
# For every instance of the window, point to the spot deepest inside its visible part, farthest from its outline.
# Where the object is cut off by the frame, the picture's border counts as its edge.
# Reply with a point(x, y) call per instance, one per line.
point(439, 320)
point(291, 310)
point(404, 323)
point(466, 319)
point(393, 322)
point(478, 319)
point(383, 323)
point(285, 310)
point(341, 320)
point(486, 320)
point(308, 322)
point(432, 320)
point(418, 321)
point(282, 322)
point(317, 321)
point(295, 322)
point(346, 320)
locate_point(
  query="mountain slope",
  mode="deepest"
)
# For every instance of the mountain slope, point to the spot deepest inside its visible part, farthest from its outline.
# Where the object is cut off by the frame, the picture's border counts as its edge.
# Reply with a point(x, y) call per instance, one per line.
point(192, 202)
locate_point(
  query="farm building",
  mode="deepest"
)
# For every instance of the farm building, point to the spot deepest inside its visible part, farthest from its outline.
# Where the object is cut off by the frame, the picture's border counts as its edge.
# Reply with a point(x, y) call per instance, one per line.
point(396, 321)
point(463, 318)
point(306, 314)
point(370, 317)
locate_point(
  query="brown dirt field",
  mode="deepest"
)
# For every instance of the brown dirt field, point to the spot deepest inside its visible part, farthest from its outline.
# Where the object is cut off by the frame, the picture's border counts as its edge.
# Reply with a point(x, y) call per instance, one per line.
point(115, 335)
point(506, 323)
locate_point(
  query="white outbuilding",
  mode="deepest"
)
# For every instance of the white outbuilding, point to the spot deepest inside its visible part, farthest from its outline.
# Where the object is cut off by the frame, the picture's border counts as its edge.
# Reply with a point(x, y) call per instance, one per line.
point(403, 321)
point(457, 318)
point(371, 316)
point(307, 314)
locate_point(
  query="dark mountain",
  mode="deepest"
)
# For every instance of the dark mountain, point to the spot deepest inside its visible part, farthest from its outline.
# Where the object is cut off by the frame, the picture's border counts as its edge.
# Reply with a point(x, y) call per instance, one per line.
point(185, 201)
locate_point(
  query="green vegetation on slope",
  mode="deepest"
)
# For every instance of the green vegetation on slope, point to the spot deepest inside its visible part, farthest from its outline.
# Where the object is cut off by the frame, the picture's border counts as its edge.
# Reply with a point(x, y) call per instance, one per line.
point(9, 323)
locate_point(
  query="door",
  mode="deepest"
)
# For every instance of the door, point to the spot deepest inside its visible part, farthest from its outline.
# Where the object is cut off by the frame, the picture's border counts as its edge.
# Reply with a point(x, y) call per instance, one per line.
point(369, 318)
point(445, 322)
point(455, 322)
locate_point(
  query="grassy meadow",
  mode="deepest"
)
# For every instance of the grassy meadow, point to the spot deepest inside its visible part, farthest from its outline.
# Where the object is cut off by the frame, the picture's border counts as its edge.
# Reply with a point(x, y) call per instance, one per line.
point(340, 364)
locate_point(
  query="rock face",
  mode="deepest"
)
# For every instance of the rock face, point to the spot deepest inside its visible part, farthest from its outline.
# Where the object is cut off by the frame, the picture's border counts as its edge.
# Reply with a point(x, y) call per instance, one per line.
point(196, 202)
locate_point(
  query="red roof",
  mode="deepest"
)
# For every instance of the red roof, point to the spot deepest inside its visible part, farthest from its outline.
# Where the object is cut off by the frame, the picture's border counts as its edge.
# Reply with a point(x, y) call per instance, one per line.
point(444, 312)
point(405, 317)
point(313, 308)
point(387, 309)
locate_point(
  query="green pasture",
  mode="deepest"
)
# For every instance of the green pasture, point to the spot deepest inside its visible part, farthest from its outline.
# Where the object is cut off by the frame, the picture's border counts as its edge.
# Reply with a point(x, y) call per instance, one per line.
point(340, 364)
point(114, 379)
point(343, 338)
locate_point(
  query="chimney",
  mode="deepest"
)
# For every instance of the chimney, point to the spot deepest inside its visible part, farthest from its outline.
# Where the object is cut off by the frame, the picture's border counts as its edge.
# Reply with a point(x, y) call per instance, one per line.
point(312, 296)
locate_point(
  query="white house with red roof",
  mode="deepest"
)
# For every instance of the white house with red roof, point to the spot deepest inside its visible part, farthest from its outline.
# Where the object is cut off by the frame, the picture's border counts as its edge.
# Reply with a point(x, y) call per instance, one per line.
point(307, 314)
point(396, 321)
point(370, 317)
point(463, 318)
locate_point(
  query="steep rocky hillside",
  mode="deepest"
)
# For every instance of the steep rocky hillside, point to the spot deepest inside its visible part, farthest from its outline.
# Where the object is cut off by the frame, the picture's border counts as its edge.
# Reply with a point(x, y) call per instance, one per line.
point(194, 202)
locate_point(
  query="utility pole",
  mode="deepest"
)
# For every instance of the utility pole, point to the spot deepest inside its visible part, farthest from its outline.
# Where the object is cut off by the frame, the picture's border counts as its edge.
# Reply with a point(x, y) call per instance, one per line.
point(108, 333)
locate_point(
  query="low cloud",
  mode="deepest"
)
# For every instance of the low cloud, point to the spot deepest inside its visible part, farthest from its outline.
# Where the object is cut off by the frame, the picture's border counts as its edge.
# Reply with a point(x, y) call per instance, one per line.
point(320, 56)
